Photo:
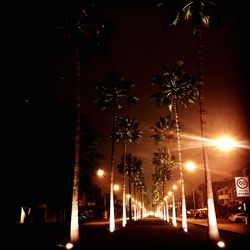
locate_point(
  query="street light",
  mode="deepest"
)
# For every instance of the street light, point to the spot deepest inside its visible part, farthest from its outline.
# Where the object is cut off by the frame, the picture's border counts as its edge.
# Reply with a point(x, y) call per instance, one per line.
point(101, 173)
point(190, 166)
point(116, 187)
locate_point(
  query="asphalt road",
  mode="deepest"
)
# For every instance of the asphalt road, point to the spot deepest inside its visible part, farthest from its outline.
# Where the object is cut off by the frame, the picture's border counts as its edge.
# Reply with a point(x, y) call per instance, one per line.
point(150, 233)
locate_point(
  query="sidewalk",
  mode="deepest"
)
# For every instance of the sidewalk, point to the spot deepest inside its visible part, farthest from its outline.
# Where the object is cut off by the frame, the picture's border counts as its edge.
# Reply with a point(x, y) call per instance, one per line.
point(223, 224)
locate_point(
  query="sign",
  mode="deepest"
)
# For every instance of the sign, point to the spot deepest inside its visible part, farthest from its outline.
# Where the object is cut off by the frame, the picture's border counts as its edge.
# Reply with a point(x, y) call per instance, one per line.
point(242, 186)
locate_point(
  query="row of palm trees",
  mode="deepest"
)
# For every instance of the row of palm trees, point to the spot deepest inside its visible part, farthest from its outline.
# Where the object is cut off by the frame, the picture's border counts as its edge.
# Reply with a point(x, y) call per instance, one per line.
point(133, 168)
point(114, 92)
point(76, 28)
point(201, 13)
point(175, 87)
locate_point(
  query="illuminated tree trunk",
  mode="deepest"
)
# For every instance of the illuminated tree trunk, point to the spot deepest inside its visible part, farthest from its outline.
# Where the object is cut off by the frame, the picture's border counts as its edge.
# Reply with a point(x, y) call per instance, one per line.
point(124, 216)
point(74, 224)
point(112, 168)
point(173, 211)
point(129, 191)
point(183, 210)
point(163, 196)
point(213, 232)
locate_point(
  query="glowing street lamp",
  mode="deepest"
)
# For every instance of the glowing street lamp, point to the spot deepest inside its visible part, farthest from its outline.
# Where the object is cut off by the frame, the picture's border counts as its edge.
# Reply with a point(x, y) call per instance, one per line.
point(190, 165)
point(225, 143)
point(100, 173)
point(116, 187)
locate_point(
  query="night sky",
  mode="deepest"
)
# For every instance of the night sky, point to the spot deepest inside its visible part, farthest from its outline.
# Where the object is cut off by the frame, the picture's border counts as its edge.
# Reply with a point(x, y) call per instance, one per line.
point(139, 47)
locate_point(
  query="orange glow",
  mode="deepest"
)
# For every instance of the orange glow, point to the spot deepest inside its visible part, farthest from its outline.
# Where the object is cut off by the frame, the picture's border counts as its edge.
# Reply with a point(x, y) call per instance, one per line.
point(116, 187)
point(225, 143)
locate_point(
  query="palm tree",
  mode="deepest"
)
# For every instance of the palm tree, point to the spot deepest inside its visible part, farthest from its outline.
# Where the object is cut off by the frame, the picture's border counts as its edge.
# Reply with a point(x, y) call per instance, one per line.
point(113, 92)
point(127, 131)
point(200, 13)
point(176, 86)
point(164, 130)
point(74, 30)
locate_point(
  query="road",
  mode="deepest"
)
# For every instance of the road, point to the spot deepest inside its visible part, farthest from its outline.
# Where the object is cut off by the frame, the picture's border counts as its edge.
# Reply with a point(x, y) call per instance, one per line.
point(149, 233)
point(223, 224)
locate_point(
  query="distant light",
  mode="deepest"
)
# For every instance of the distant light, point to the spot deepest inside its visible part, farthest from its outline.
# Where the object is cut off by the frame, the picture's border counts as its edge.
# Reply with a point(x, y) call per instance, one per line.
point(221, 244)
point(116, 187)
point(174, 187)
point(100, 172)
point(69, 245)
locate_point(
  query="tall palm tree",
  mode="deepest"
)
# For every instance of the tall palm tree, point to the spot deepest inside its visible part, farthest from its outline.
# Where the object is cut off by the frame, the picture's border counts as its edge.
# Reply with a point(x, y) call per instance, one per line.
point(200, 13)
point(164, 130)
point(127, 131)
point(74, 30)
point(176, 86)
point(115, 90)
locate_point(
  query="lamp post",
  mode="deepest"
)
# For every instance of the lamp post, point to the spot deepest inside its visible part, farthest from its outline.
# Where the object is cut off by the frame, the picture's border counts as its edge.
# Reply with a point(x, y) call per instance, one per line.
point(101, 173)
point(190, 165)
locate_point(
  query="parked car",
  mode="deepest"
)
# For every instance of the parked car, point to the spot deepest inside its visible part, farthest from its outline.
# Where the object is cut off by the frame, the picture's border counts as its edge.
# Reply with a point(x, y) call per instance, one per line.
point(200, 215)
point(239, 217)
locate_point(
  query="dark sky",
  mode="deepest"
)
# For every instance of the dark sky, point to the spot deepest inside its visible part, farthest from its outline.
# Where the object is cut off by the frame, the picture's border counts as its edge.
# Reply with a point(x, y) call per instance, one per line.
point(140, 46)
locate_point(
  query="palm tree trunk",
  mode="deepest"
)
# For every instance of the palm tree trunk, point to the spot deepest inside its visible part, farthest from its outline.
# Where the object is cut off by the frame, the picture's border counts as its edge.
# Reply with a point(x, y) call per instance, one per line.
point(213, 232)
point(163, 195)
point(74, 224)
point(112, 167)
point(135, 204)
point(129, 191)
point(124, 216)
point(183, 210)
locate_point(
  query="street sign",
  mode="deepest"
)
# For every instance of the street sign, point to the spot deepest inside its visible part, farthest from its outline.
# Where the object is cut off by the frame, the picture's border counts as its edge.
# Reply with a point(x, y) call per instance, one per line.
point(242, 186)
